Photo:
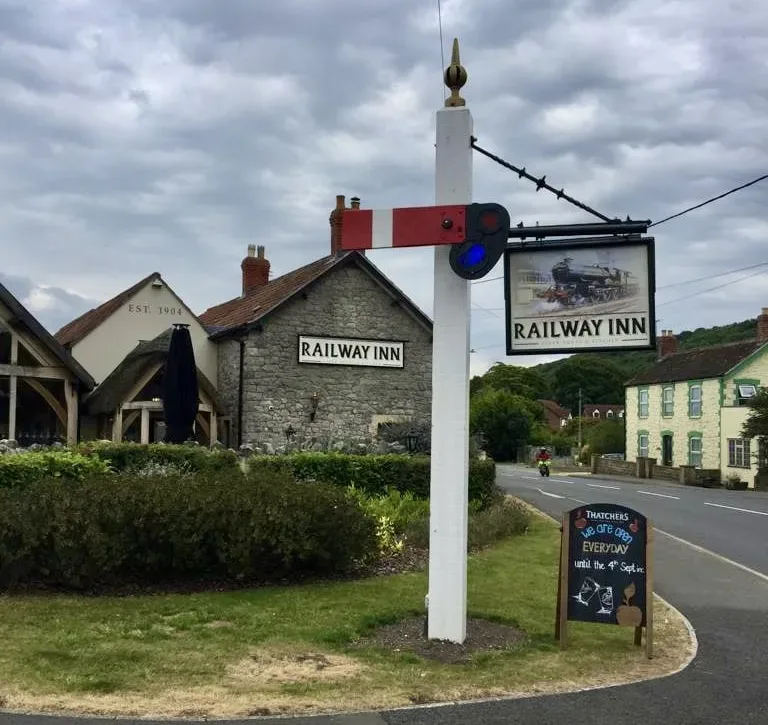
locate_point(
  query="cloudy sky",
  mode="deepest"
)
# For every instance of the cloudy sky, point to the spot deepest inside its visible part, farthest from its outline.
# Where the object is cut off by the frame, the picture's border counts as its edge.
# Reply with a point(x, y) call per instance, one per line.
point(141, 136)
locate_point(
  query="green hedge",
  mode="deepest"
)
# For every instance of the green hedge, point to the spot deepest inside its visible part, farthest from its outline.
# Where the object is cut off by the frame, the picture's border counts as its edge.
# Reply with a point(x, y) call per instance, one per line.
point(23, 469)
point(99, 531)
point(373, 474)
point(136, 456)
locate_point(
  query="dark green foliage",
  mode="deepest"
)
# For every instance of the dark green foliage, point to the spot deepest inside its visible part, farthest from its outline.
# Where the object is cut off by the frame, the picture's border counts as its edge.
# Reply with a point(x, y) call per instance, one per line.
point(525, 382)
point(22, 469)
point(607, 436)
point(372, 474)
point(504, 421)
point(112, 529)
point(133, 457)
point(501, 519)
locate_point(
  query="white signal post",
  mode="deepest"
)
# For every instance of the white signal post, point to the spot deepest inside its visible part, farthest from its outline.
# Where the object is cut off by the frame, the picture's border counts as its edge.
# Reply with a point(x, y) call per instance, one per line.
point(447, 598)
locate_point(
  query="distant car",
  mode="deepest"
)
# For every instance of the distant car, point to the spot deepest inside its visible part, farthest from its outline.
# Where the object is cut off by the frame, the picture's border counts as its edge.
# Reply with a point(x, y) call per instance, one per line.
point(613, 456)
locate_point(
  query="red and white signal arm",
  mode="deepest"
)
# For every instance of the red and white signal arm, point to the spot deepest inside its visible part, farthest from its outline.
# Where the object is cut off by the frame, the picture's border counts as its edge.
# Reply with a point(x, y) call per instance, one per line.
point(425, 226)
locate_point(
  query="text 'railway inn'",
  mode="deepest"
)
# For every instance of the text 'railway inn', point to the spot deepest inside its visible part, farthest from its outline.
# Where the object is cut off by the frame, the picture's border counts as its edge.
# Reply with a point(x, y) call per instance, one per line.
point(328, 351)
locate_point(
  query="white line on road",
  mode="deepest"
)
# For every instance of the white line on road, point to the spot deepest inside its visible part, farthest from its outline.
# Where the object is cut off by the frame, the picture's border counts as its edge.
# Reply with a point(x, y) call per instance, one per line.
point(546, 493)
point(662, 495)
point(724, 559)
point(735, 508)
point(597, 485)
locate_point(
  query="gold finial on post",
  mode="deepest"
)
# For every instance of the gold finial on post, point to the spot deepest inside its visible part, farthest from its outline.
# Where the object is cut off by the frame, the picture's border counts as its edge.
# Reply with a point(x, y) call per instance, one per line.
point(455, 77)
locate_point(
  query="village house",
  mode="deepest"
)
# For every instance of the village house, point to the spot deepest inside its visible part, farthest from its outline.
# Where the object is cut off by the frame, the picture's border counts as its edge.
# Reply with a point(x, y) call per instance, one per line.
point(556, 416)
point(602, 411)
point(688, 409)
point(331, 350)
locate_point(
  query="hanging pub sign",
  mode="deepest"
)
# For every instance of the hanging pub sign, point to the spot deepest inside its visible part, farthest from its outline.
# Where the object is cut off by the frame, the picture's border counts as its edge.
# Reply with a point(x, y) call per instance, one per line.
point(606, 570)
point(572, 295)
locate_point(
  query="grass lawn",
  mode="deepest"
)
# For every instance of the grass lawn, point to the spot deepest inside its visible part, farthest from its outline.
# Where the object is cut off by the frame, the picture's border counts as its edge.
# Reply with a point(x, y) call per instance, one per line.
point(297, 650)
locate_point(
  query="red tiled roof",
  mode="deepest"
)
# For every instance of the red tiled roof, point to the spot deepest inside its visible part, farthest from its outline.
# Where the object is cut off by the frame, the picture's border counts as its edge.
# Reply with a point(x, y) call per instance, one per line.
point(554, 408)
point(76, 330)
point(249, 309)
point(697, 364)
point(602, 407)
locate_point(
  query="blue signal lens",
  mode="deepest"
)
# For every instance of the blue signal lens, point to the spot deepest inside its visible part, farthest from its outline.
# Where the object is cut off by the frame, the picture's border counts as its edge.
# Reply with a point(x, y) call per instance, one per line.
point(473, 256)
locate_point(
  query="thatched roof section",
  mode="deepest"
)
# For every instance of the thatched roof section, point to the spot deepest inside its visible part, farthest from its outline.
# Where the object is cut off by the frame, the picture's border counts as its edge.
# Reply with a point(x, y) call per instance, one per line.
point(117, 384)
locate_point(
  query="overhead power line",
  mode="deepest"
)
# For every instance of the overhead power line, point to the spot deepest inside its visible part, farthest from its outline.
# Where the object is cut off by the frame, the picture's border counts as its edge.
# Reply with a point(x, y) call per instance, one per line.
point(712, 289)
point(709, 201)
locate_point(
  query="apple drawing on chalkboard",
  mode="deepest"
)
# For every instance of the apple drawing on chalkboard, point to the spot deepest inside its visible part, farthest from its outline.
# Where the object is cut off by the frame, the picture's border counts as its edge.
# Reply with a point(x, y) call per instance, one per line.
point(626, 615)
point(634, 526)
point(580, 522)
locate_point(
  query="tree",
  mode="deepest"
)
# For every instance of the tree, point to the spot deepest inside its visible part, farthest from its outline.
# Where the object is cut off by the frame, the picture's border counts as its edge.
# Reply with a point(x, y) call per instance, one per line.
point(600, 381)
point(526, 382)
point(756, 425)
point(608, 436)
point(504, 421)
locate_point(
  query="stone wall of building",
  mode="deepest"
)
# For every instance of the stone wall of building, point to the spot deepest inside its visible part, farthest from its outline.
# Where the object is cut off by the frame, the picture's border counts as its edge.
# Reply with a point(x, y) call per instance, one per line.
point(229, 386)
point(351, 401)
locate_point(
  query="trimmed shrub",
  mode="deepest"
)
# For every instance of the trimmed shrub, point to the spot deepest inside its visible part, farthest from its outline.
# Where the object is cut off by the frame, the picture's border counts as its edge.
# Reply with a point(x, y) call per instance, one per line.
point(160, 457)
point(502, 519)
point(374, 474)
point(106, 530)
point(23, 469)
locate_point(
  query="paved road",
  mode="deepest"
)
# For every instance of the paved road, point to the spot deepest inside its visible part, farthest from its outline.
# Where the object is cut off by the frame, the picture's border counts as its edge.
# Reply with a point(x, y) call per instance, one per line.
point(727, 603)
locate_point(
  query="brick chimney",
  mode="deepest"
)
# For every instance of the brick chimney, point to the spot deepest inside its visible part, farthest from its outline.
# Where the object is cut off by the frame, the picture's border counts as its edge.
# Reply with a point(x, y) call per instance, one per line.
point(255, 269)
point(336, 218)
point(667, 344)
point(762, 326)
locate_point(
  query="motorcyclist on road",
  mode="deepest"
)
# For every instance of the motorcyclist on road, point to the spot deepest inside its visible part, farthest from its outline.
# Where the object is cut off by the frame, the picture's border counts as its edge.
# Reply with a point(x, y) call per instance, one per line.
point(543, 455)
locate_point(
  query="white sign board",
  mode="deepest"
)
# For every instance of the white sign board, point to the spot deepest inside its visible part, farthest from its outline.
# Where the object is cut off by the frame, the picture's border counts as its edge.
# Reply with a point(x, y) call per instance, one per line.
point(580, 298)
point(351, 351)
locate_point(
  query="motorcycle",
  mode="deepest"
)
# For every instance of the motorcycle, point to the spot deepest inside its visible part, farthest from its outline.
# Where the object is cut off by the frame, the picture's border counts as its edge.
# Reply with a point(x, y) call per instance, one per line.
point(544, 468)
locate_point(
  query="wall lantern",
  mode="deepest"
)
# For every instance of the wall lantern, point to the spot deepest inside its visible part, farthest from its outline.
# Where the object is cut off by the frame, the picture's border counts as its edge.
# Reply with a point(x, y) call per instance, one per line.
point(411, 441)
point(314, 400)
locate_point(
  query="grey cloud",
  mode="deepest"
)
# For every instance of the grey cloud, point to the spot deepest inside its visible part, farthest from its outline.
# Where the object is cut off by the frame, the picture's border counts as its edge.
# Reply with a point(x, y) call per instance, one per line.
point(141, 136)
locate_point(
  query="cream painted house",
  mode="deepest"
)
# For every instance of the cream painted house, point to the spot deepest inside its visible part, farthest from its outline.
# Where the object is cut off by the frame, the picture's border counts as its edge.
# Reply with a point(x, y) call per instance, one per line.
point(123, 343)
point(689, 407)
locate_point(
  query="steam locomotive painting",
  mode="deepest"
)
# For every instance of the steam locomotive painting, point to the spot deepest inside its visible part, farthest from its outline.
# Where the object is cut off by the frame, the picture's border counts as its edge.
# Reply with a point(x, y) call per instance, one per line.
point(576, 284)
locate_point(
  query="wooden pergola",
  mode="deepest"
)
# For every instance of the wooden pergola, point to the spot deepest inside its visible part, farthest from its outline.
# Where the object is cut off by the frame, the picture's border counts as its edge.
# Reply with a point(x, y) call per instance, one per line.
point(30, 358)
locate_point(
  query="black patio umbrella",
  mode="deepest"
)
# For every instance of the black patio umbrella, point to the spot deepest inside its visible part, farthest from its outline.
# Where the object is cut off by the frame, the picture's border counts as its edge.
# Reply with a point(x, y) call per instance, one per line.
point(180, 383)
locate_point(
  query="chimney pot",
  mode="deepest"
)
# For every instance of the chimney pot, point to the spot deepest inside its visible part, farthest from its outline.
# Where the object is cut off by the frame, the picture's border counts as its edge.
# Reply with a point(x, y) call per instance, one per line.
point(255, 269)
point(762, 325)
point(340, 201)
point(355, 200)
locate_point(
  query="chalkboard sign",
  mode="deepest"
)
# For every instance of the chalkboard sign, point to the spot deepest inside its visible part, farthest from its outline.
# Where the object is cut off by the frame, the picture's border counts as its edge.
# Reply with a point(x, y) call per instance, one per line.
point(605, 569)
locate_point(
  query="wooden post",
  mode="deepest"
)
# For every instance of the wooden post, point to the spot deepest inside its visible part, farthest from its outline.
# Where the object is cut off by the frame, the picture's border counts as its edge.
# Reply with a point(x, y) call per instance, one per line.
point(13, 389)
point(649, 589)
point(145, 425)
point(565, 543)
point(70, 396)
point(117, 425)
point(214, 434)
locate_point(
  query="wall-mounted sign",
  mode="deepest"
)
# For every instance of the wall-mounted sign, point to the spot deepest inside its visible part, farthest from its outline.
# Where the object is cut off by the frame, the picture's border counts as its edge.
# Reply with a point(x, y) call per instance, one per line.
point(137, 308)
point(568, 296)
point(350, 351)
point(605, 570)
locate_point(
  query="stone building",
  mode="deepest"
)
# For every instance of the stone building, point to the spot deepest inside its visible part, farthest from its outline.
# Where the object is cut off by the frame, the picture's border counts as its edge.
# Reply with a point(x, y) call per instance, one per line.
point(328, 351)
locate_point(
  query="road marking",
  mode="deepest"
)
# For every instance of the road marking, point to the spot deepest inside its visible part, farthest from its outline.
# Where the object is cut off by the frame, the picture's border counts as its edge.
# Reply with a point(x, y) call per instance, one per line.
point(547, 493)
point(578, 500)
point(597, 485)
point(662, 495)
point(724, 559)
point(736, 508)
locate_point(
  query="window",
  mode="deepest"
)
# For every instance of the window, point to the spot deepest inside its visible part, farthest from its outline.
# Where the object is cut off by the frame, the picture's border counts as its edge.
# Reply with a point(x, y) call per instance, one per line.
point(745, 392)
point(609, 414)
point(738, 452)
point(694, 400)
point(694, 450)
point(667, 401)
point(642, 402)
point(642, 445)
point(595, 413)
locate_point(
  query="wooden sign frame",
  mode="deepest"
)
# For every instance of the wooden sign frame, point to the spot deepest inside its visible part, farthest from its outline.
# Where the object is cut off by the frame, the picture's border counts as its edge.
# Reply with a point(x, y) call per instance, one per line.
point(563, 582)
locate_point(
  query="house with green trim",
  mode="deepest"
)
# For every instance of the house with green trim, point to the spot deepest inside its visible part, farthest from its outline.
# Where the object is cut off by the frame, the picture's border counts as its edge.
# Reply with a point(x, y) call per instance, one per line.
point(688, 409)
